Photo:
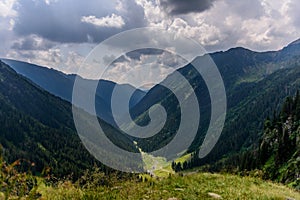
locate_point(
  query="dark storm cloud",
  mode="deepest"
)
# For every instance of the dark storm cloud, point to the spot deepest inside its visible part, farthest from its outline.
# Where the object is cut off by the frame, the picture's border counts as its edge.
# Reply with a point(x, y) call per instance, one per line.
point(177, 7)
point(61, 21)
point(136, 55)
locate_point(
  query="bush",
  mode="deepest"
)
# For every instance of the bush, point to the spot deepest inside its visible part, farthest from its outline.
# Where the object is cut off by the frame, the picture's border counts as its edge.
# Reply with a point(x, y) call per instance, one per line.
point(14, 183)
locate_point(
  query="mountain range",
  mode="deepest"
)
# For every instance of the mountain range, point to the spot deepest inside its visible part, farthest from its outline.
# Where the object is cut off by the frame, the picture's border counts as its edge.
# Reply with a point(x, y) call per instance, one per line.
point(38, 102)
point(256, 84)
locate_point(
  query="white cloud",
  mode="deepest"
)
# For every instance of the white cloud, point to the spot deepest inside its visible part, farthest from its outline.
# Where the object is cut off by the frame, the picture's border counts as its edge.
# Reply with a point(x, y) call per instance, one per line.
point(11, 24)
point(271, 31)
point(48, 2)
point(256, 24)
point(48, 58)
point(66, 58)
point(108, 21)
point(6, 8)
point(146, 71)
point(206, 34)
point(153, 12)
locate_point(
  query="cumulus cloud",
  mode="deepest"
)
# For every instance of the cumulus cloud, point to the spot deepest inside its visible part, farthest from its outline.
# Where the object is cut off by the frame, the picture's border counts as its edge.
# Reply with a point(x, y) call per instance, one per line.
point(61, 21)
point(151, 67)
point(49, 58)
point(60, 33)
point(114, 21)
point(66, 58)
point(177, 7)
point(258, 25)
point(206, 34)
point(7, 8)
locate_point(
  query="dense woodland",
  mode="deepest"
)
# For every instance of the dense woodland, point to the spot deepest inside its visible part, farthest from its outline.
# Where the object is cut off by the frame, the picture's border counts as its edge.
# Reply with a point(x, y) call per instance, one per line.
point(277, 155)
point(38, 128)
point(256, 85)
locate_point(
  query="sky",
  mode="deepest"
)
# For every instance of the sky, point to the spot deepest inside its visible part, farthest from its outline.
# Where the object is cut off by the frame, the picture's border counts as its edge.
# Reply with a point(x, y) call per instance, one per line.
point(61, 33)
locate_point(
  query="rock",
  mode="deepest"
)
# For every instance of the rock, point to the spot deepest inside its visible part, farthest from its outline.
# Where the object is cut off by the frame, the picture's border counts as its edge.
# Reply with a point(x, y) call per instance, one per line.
point(214, 195)
point(289, 198)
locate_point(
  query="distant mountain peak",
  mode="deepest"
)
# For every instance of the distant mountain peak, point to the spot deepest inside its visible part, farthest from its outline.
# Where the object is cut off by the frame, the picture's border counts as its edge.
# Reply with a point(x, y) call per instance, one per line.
point(239, 48)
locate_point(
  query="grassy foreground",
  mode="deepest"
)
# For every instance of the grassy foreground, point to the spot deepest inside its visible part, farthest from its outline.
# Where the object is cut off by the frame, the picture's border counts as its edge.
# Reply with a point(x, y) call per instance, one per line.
point(192, 186)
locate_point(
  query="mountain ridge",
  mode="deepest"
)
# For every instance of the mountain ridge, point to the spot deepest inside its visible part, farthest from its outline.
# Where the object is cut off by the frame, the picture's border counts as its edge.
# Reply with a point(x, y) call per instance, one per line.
point(39, 127)
point(245, 73)
point(61, 85)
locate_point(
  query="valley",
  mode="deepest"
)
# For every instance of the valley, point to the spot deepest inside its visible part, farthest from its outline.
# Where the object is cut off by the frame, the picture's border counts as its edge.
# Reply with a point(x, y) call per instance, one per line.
point(37, 126)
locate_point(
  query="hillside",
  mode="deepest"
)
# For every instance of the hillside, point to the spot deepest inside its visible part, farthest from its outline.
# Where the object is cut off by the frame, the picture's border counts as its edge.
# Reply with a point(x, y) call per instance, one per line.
point(276, 157)
point(278, 152)
point(38, 127)
point(256, 85)
point(279, 149)
point(61, 85)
